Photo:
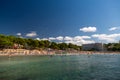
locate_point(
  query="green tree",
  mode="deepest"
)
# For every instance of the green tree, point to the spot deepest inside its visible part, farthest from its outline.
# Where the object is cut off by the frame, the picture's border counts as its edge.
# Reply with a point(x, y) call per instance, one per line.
point(5, 42)
point(54, 45)
point(63, 46)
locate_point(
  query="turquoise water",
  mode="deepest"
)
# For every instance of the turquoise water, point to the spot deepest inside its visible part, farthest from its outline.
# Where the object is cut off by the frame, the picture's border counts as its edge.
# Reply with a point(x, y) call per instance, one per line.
point(80, 67)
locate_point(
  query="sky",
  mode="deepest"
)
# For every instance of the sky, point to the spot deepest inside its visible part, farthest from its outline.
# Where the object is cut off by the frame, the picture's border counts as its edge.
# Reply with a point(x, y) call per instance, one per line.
point(70, 21)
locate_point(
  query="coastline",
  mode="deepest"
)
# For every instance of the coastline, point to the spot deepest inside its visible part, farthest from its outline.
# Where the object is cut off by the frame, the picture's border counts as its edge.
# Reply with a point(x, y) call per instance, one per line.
point(22, 52)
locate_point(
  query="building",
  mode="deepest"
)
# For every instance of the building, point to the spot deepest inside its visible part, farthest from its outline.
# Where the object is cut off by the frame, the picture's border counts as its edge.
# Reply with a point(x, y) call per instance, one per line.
point(93, 47)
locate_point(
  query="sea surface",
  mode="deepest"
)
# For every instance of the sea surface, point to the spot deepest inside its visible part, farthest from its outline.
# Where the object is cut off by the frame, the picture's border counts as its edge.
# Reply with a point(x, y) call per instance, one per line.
point(77, 67)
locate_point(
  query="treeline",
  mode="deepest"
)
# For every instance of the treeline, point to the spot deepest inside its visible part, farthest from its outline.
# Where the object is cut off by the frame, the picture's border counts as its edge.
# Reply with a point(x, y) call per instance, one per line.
point(112, 46)
point(24, 43)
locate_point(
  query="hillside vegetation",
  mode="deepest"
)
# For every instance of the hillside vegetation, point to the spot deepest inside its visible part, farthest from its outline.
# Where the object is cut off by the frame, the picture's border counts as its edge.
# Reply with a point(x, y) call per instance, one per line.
point(13, 42)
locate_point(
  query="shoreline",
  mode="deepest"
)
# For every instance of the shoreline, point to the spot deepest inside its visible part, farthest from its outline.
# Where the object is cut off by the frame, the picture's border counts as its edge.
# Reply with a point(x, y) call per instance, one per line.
point(23, 52)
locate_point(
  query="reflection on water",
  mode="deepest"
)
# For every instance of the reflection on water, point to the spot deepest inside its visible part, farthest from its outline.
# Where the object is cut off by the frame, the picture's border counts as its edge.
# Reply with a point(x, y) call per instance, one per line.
point(79, 67)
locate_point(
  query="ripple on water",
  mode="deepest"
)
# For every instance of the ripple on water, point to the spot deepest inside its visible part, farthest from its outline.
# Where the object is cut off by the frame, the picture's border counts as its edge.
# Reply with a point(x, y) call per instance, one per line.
point(82, 67)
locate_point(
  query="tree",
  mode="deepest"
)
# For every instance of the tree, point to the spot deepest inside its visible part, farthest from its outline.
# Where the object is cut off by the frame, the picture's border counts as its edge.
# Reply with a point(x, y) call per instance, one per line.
point(5, 42)
point(54, 45)
point(9, 41)
point(41, 44)
point(63, 46)
point(73, 46)
point(46, 43)
point(32, 44)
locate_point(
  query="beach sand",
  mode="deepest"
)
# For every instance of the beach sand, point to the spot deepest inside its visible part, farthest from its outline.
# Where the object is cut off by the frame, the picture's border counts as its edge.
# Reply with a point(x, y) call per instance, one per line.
point(12, 52)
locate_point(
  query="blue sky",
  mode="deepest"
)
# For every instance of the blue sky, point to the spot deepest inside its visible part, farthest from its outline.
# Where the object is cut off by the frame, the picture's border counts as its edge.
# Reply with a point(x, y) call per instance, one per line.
point(70, 21)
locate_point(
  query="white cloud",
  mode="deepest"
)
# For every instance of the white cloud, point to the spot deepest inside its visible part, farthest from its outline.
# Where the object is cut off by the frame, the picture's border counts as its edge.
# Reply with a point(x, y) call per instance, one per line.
point(19, 34)
point(78, 40)
point(88, 29)
point(44, 39)
point(114, 28)
point(88, 41)
point(106, 37)
point(70, 41)
point(52, 38)
point(86, 37)
point(31, 34)
point(67, 38)
point(38, 39)
point(60, 38)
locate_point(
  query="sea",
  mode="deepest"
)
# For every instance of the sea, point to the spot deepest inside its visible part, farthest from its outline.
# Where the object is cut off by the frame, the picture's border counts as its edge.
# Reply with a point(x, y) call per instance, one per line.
point(61, 67)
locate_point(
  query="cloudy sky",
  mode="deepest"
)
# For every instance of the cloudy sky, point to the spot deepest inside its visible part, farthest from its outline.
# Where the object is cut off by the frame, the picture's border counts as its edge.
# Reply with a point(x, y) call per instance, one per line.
point(70, 21)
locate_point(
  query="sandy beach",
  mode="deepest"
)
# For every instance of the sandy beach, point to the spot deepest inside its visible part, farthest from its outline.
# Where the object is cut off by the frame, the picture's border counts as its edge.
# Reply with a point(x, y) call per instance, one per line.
point(13, 52)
